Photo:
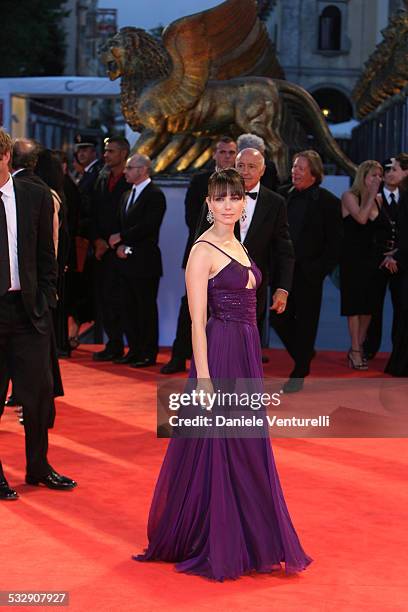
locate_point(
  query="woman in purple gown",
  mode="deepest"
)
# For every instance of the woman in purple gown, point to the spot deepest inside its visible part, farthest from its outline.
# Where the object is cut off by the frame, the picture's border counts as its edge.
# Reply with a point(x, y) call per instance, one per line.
point(218, 509)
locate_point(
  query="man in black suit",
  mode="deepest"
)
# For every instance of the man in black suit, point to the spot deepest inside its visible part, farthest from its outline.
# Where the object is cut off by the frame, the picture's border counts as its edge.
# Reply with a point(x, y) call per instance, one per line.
point(106, 196)
point(225, 151)
point(269, 178)
point(87, 157)
point(395, 171)
point(264, 233)
point(140, 267)
point(24, 159)
point(27, 292)
point(315, 226)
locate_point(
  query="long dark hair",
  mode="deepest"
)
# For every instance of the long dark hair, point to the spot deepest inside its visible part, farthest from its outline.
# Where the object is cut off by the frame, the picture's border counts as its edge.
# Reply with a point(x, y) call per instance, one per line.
point(49, 169)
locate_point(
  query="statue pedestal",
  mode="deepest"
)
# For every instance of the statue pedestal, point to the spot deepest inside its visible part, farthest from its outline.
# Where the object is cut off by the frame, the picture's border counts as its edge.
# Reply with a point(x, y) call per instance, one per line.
point(173, 239)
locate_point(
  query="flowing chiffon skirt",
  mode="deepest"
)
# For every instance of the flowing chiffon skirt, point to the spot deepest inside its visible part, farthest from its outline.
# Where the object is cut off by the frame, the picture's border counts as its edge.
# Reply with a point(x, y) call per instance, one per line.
point(218, 508)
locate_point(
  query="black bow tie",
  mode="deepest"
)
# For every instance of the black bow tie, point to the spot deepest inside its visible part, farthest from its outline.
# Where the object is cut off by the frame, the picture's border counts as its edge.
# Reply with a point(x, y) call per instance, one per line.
point(252, 194)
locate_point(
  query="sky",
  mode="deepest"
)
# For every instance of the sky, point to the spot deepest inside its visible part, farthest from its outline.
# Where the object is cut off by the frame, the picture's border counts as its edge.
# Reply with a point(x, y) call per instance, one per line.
point(148, 14)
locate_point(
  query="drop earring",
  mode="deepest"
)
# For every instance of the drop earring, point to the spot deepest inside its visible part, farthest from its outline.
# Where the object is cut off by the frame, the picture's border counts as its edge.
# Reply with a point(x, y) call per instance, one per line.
point(210, 216)
point(243, 215)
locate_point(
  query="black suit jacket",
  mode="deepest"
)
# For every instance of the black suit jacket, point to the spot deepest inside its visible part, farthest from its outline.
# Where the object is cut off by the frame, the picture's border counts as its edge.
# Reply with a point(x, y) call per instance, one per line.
point(194, 201)
point(87, 180)
point(402, 249)
point(270, 178)
point(106, 206)
point(29, 175)
point(316, 229)
point(268, 241)
point(36, 254)
point(86, 186)
point(140, 229)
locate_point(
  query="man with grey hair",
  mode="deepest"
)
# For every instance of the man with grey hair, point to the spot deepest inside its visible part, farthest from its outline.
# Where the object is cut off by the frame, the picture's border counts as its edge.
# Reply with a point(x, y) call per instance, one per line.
point(269, 179)
point(251, 141)
point(141, 213)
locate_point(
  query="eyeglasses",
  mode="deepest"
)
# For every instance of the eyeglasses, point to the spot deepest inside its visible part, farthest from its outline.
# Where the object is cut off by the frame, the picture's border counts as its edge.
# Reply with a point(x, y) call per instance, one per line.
point(132, 167)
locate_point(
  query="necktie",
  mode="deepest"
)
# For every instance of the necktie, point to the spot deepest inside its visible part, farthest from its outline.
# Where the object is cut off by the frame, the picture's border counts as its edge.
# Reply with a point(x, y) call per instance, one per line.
point(252, 194)
point(393, 206)
point(5, 278)
point(131, 200)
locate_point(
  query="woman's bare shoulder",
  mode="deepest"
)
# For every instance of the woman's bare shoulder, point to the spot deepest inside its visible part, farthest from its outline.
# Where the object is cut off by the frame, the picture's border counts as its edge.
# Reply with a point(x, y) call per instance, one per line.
point(349, 196)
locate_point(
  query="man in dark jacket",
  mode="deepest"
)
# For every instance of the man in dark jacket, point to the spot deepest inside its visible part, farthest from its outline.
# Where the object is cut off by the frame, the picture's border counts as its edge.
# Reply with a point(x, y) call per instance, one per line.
point(395, 173)
point(140, 266)
point(106, 196)
point(87, 156)
point(315, 227)
point(27, 292)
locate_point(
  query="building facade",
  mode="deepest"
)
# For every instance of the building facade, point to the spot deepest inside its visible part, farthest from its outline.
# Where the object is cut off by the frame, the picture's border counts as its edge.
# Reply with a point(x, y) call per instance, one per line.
point(87, 27)
point(322, 45)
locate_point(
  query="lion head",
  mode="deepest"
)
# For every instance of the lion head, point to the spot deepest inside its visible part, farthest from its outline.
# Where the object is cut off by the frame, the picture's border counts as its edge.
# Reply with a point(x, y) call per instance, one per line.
point(133, 53)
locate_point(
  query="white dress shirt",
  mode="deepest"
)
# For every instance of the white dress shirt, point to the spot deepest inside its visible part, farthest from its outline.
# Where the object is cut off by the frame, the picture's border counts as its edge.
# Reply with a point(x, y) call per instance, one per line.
point(387, 194)
point(9, 200)
point(136, 191)
point(250, 209)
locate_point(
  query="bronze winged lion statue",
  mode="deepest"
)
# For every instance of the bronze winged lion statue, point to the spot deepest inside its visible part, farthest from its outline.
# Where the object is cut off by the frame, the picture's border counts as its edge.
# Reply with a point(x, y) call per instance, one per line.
point(199, 83)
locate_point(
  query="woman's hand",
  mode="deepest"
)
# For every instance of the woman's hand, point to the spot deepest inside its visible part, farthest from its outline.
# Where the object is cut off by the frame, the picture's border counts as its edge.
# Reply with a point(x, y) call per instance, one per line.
point(374, 187)
point(205, 390)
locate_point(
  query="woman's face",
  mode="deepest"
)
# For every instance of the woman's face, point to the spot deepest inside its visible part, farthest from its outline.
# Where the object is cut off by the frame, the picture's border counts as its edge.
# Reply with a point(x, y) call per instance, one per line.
point(375, 175)
point(226, 207)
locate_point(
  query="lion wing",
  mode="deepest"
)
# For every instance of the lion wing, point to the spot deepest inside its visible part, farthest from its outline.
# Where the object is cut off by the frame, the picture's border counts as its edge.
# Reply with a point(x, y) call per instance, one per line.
point(221, 43)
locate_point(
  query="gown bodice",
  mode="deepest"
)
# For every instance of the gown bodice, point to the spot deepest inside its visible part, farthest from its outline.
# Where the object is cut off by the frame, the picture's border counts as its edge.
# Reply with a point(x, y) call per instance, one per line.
point(229, 298)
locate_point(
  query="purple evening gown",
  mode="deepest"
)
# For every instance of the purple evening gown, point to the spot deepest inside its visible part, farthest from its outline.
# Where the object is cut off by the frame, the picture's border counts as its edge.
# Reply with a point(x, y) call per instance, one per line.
point(218, 508)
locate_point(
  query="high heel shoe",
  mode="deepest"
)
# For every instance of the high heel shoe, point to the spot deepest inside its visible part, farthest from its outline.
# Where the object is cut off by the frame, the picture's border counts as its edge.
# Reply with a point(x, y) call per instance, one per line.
point(353, 363)
point(74, 342)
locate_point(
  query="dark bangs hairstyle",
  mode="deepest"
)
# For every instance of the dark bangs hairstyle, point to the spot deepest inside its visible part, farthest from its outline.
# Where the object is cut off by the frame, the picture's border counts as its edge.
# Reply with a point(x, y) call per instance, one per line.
point(224, 182)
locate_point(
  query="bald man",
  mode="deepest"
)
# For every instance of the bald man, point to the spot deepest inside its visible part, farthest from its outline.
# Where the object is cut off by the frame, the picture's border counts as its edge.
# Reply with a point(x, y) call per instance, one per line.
point(140, 267)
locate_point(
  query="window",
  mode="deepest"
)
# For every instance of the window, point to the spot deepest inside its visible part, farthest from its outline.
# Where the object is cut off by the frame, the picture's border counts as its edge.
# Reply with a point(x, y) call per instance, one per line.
point(330, 29)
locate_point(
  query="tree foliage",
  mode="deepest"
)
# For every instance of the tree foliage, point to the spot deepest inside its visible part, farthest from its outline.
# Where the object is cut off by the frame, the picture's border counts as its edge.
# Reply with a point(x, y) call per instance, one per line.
point(32, 38)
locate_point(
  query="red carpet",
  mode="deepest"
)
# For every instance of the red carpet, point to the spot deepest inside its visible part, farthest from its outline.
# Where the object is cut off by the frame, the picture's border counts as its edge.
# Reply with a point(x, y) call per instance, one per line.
point(348, 499)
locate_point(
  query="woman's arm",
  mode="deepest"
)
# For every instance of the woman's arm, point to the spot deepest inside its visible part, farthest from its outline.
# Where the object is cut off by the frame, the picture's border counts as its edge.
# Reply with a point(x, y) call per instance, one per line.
point(55, 223)
point(197, 274)
point(361, 214)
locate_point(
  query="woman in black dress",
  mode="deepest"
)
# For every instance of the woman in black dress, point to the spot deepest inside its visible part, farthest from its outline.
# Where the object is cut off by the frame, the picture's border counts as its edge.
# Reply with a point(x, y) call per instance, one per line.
point(361, 206)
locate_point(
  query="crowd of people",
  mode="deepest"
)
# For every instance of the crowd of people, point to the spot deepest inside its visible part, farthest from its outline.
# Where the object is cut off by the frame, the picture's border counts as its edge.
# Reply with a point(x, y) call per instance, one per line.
point(364, 236)
point(373, 258)
point(107, 218)
point(75, 249)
